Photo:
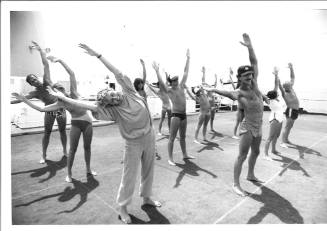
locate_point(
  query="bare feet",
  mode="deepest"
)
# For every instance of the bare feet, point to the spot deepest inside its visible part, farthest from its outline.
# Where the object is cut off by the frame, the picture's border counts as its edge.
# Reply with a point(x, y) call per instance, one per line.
point(266, 157)
point(239, 191)
point(275, 152)
point(91, 173)
point(284, 145)
point(69, 179)
point(254, 179)
point(235, 137)
point(196, 141)
point(42, 160)
point(171, 162)
point(149, 201)
point(124, 216)
point(188, 157)
point(158, 157)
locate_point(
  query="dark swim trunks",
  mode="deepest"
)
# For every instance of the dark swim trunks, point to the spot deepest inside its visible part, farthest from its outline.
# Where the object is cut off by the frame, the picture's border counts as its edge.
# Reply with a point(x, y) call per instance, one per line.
point(57, 113)
point(291, 113)
point(182, 116)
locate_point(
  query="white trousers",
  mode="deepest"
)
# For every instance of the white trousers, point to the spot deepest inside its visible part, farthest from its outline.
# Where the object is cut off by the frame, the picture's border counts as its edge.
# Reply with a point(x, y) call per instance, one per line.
point(141, 150)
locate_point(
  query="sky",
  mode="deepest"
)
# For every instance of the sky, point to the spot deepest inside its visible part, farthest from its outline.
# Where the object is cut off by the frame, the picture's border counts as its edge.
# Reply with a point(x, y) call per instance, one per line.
point(124, 32)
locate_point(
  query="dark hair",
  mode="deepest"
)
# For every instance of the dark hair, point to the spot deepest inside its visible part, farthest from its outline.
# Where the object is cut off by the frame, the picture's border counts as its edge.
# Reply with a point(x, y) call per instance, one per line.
point(244, 70)
point(137, 81)
point(28, 77)
point(272, 94)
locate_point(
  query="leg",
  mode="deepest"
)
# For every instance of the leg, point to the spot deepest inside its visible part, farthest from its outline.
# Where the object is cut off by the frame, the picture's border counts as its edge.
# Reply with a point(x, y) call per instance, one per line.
point(48, 123)
point(205, 125)
point(162, 118)
point(244, 146)
point(200, 122)
point(147, 167)
point(75, 133)
point(287, 129)
point(182, 134)
point(169, 118)
point(62, 121)
point(175, 121)
point(132, 156)
point(255, 151)
point(212, 118)
point(278, 128)
point(87, 138)
point(272, 132)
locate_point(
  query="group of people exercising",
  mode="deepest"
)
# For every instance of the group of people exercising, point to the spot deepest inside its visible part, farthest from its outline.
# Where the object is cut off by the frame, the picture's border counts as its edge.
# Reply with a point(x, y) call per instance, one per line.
point(129, 108)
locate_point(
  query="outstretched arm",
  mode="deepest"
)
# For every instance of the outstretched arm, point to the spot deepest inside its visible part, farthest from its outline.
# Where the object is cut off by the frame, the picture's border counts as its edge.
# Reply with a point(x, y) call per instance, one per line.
point(144, 70)
point(162, 85)
point(51, 107)
point(73, 85)
point(72, 102)
point(290, 66)
point(91, 52)
point(187, 65)
point(46, 74)
point(230, 94)
point(253, 59)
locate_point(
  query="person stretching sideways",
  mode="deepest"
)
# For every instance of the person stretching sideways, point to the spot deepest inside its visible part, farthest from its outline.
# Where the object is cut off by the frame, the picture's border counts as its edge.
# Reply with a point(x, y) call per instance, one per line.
point(41, 93)
point(132, 115)
point(292, 110)
point(176, 93)
point(275, 118)
point(250, 103)
point(81, 122)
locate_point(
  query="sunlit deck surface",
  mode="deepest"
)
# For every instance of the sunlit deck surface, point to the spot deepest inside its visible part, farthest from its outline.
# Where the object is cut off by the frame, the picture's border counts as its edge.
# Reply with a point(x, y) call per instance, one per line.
point(193, 192)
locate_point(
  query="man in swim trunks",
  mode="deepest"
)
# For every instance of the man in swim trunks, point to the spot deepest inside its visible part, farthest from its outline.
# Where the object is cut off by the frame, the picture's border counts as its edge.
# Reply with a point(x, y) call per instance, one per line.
point(176, 93)
point(41, 93)
point(250, 103)
point(292, 110)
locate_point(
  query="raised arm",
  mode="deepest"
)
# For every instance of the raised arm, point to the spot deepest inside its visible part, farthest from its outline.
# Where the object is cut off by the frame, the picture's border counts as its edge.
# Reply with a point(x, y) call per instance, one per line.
point(155, 91)
point(290, 66)
point(30, 95)
point(253, 59)
point(51, 107)
point(91, 52)
point(144, 70)
point(46, 74)
point(190, 93)
point(231, 78)
point(72, 102)
point(203, 75)
point(73, 85)
point(216, 81)
point(162, 85)
point(281, 88)
point(187, 65)
point(233, 95)
point(275, 73)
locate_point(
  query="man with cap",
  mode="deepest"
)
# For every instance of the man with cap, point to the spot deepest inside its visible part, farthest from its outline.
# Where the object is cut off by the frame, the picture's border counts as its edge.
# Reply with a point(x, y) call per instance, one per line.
point(250, 101)
point(176, 93)
point(132, 115)
point(292, 110)
point(41, 93)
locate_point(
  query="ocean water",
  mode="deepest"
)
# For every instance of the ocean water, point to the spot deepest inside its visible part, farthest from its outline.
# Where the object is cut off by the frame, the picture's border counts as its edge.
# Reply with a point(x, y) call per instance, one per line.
point(313, 101)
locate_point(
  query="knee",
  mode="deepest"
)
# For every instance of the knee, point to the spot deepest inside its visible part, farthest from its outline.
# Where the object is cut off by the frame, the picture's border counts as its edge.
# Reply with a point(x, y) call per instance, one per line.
point(47, 133)
point(241, 157)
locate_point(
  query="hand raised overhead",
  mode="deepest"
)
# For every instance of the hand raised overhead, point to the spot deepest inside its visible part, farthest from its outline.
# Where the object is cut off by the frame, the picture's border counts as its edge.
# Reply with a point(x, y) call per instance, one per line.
point(246, 40)
point(188, 53)
point(276, 70)
point(155, 66)
point(88, 50)
point(142, 62)
point(36, 46)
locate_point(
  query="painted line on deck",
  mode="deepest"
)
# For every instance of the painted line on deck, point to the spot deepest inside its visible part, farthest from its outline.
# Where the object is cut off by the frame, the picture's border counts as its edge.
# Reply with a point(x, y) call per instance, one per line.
point(273, 177)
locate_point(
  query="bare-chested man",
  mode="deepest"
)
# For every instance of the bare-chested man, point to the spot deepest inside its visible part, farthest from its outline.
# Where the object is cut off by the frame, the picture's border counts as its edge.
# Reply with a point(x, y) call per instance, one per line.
point(176, 93)
point(293, 105)
point(250, 103)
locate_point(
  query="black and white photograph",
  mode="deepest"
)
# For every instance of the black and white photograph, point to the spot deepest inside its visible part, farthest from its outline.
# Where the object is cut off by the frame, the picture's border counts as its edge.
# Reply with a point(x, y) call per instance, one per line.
point(178, 113)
